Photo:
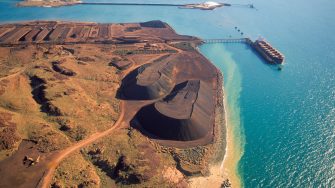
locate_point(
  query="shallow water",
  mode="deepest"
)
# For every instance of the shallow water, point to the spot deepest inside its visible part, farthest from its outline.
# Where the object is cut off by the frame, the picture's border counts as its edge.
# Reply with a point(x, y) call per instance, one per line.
point(285, 119)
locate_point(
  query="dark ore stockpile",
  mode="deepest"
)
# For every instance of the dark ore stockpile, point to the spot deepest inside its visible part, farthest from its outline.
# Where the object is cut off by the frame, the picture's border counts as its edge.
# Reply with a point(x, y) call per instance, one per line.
point(184, 115)
point(150, 81)
point(153, 24)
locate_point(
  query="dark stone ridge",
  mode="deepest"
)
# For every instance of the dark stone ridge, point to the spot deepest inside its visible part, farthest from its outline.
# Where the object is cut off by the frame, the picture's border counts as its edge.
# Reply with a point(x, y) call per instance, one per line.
point(184, 115)
point(38, 86)
point(120, 64)
point(86, 59)
point(61, 69)
point(153, 24)
point(70, 50)
point(124, 172)
point(150, 81)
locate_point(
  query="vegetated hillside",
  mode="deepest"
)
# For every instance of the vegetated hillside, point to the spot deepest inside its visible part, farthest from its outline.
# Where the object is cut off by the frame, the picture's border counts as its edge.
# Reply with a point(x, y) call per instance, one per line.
point(52, 97)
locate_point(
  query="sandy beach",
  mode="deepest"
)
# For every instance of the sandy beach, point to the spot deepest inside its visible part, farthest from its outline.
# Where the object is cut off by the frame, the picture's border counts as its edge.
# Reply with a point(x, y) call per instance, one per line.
point(228, 167)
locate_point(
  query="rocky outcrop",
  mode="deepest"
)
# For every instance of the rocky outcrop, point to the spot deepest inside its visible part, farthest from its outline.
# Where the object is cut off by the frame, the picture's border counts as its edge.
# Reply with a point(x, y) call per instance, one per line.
point(56, 66)
point(120, 63)
point(86, 59)
point(8, 138)
point(38, 86)
point(124, 172)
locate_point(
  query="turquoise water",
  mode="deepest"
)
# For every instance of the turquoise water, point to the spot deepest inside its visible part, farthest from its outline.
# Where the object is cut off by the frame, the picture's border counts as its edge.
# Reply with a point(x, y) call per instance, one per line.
point(287, 118)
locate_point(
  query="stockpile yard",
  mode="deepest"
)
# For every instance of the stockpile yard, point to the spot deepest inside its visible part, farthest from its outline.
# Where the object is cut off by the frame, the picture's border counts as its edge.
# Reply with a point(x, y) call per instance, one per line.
point(72, 33)
point(105, 105)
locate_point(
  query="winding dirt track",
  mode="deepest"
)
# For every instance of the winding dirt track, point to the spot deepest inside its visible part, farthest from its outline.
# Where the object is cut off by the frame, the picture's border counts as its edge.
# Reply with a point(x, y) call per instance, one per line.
point(12, 75)
point(46, 180)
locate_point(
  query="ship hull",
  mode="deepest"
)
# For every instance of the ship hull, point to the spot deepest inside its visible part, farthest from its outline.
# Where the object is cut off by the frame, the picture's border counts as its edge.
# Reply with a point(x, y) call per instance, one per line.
point(268, 58)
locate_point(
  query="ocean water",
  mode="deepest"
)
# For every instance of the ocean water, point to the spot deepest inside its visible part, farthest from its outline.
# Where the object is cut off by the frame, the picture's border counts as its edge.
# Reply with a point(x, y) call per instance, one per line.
point(285, 119)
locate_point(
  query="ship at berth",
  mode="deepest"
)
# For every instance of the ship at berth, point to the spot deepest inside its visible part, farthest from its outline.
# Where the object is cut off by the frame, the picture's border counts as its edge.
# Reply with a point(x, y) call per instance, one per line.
point(270, 54)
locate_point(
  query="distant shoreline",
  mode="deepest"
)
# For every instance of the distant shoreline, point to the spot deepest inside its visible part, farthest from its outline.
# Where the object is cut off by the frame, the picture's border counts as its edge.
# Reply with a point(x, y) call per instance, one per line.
point(58, 3)
point(42, 3)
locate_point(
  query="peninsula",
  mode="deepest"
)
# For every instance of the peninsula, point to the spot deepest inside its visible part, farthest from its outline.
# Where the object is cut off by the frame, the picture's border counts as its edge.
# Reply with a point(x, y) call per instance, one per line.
point(47, 3)
point(105, 105)
point(208, 5)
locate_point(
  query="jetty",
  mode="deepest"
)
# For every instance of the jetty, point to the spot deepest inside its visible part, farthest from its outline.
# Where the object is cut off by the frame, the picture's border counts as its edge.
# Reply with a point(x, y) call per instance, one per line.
point(209, 5)
point(261, 46)
point(229, 40)
point(131, 4)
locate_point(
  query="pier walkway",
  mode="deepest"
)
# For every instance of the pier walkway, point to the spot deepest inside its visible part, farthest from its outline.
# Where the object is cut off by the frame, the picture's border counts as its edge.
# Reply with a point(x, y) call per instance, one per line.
point(228, 40)
point(159, 4)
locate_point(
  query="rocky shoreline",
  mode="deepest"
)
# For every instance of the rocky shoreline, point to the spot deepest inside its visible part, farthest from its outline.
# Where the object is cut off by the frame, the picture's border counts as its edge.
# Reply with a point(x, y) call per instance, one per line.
point(220, 120)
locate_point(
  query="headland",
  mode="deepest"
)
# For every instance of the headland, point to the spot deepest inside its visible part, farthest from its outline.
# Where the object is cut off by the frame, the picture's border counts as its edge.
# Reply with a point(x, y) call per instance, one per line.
point(208, 5)
point(48, 3)
point(147, 91)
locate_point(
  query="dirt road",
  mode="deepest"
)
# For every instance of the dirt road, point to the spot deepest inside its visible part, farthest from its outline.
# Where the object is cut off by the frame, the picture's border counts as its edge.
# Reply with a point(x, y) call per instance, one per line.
point(46, 180)
point(12, 75)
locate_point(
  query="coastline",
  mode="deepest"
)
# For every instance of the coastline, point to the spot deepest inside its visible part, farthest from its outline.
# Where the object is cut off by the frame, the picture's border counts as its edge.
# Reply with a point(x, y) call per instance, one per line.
point(226, 168)
point(229, 164)
point(216, 176)
point(235, 138)
point(225, 165)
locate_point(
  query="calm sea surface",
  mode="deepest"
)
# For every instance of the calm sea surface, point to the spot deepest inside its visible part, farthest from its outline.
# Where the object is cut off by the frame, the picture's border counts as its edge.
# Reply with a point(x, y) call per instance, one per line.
point(286, 119)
